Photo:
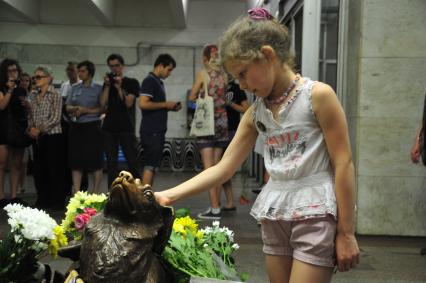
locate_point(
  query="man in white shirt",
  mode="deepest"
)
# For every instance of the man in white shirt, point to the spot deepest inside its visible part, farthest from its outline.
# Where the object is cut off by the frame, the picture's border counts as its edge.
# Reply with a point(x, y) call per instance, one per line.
point(71, 71)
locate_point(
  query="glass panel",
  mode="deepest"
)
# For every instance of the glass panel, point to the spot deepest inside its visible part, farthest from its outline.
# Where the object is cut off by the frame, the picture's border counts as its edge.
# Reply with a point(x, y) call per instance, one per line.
point(329, 41)
point(298, 21)
point(331, 75)
point(332, 35)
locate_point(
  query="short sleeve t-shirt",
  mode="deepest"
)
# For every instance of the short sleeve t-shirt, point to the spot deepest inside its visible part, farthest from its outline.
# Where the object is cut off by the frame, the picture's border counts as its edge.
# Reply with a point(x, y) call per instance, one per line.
point(118, 117)
point(238, 96)
point(154, 121)
point(86, 96)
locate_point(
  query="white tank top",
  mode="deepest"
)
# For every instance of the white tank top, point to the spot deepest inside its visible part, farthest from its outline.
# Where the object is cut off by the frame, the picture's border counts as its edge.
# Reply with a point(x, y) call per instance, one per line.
point(301, 183)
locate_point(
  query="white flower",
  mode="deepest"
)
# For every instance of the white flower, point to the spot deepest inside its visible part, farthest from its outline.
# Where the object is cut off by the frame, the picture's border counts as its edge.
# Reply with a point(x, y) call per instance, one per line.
point(235, 246)
point(32, 223)
point(216, 223)
point(207, 230)
point(205, 245)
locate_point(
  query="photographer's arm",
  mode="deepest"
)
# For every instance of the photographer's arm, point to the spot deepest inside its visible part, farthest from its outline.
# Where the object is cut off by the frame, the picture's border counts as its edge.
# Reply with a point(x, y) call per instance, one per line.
point(129, 100)
point(5, 99)
point(105, 95)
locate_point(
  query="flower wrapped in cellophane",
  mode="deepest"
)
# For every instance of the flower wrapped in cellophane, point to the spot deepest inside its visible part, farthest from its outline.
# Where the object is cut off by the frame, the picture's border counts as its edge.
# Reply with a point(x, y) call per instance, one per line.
point(81, 208)
point(32, 233)
point(202, 253)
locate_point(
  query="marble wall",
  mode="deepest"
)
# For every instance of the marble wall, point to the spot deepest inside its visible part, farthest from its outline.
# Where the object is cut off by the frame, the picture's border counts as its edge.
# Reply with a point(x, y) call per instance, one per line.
point(390, 81)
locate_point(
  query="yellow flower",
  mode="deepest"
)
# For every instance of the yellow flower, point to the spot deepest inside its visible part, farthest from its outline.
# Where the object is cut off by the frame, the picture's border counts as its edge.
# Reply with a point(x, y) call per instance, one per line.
point(53, 247)
point(58, 241)
point(199, 235)
point(178, 228)
point(187, 223)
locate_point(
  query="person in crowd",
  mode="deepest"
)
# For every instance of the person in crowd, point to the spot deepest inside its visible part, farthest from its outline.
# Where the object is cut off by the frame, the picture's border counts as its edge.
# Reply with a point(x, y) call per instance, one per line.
point(236, 104)
point(25, 83)
point(155, 107)
point(13, 124)
point(418, 150)
point(259, 149)
point(83, 105)
point(44, 127)
point(72, 75)
point(118, 96)
point(307, 209)
point(212, 147)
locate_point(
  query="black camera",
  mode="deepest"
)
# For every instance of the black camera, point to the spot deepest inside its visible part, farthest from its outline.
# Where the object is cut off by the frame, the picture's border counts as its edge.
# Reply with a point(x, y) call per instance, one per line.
point(17, 82)
point(111, 77)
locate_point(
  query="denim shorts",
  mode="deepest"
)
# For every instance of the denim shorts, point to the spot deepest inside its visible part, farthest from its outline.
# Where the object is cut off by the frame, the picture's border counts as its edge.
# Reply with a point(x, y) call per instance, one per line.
point(153, 145)
point(310, 240)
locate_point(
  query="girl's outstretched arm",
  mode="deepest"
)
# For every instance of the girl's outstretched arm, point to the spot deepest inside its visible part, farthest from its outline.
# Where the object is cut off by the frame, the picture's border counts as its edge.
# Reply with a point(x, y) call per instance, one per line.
point(234, 156)
point(332, 120)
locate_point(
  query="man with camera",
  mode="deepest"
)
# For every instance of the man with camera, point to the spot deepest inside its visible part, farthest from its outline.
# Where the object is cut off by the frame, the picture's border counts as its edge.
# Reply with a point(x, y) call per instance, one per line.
point(154, 108)
point(118, 97)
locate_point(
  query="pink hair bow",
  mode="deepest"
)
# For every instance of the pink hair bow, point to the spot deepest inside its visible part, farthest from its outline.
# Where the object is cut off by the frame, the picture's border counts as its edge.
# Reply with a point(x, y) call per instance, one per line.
point(259, 14)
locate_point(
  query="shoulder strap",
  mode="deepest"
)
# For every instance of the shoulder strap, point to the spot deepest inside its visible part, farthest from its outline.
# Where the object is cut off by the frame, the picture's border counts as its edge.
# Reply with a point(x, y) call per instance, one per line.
point(206, 81)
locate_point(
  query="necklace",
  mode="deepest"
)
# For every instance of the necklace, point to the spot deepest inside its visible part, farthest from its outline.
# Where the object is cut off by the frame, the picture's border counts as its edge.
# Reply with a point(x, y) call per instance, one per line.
point(280, 99)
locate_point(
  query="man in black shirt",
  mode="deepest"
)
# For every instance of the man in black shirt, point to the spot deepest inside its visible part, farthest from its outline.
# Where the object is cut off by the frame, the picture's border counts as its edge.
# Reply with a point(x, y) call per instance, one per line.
point(118, 96)
point(236, 104)
point(154, 108)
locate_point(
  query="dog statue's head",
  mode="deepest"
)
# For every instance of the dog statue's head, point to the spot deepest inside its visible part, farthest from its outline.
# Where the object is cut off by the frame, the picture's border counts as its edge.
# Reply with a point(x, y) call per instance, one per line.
point(130, 200)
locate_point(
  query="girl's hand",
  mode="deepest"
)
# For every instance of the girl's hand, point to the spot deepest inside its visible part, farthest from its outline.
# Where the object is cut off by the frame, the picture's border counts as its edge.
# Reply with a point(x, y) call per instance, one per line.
point(347, 251)
point(162, 199)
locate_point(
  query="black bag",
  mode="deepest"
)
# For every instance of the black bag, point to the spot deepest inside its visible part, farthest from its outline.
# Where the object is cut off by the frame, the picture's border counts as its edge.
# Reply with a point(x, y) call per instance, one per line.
point(16, 131)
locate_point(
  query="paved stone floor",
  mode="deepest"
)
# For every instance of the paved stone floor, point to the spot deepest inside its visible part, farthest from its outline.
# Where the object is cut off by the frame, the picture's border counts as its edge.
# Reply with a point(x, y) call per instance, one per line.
point(383, 259)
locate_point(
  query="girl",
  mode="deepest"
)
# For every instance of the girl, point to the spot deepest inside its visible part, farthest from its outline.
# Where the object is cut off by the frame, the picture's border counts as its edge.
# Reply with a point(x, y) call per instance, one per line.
point(307, 207)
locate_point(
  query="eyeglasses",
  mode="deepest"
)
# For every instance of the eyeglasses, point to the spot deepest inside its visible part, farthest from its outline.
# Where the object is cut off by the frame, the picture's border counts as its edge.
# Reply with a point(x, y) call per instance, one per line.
point(14, 70)
point(115, 65)
point(39, 77)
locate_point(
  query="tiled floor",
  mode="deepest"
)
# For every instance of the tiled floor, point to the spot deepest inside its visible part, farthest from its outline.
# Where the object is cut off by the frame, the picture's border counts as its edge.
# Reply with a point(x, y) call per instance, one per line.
point(384, 259)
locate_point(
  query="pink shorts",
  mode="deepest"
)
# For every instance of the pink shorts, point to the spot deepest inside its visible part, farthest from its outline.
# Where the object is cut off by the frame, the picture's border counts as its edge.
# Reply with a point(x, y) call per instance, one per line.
point(310, 240)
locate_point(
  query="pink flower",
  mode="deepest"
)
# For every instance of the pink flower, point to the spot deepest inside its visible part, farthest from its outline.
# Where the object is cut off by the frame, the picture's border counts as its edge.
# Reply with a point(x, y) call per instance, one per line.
point(81, 221)
point(90, 211)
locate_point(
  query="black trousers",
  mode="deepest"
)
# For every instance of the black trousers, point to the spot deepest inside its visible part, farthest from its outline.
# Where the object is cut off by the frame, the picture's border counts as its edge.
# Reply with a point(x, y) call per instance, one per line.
point(49, 170)
point(127, 141)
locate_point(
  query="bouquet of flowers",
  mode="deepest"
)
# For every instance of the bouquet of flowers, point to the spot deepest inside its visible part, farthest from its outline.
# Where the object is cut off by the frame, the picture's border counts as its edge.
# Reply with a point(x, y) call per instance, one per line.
point(202, 253)
point(32, 232)
point(81, 208)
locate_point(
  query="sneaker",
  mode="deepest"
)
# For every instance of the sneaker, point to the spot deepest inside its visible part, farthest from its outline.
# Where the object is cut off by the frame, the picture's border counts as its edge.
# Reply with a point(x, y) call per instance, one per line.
point(209, 215)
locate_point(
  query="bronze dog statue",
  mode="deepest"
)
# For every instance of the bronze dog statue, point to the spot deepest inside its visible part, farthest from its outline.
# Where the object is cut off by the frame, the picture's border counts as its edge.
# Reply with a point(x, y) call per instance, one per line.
point(123, 244)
